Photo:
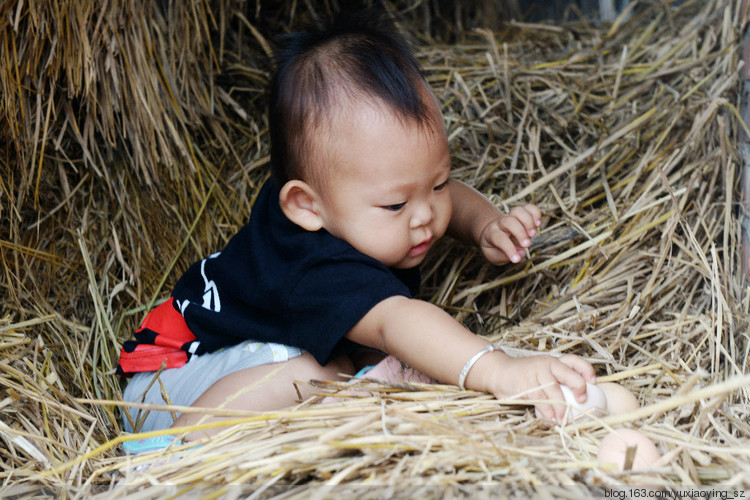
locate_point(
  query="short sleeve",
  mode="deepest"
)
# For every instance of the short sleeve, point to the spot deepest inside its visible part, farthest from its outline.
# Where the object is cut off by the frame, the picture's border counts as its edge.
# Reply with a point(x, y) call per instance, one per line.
point(332, 296)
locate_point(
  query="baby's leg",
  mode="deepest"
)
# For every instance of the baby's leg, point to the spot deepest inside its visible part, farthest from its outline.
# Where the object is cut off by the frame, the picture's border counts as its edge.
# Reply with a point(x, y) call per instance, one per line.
point(250, 390)
point(184, 386)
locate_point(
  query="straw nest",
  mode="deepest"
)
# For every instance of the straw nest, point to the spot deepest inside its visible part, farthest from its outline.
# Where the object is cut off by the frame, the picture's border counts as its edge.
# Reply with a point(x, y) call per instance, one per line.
point(123, 162)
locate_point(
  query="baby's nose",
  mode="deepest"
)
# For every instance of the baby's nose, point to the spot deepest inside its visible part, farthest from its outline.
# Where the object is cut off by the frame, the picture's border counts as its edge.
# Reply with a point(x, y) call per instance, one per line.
point(422, 215)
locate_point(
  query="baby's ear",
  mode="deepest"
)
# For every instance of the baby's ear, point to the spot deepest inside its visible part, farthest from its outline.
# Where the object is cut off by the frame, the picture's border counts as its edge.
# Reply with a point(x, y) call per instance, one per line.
point(299, 202)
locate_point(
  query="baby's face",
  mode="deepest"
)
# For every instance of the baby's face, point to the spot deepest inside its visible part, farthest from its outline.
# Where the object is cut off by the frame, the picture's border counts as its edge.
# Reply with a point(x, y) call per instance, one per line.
point(387, 195)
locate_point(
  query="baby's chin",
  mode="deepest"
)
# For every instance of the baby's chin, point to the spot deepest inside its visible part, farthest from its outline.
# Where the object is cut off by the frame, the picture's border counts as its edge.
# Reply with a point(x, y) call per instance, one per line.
point(409, 261)
point(405, 260)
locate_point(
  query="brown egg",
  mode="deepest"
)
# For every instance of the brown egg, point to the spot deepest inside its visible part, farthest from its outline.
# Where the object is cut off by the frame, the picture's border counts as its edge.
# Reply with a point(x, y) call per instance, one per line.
point(614, 446)
point(619, 399)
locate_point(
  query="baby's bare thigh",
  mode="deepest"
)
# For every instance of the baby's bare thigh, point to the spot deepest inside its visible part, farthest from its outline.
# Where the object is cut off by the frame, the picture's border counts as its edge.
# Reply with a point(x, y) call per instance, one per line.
point(272, 386)
point(231, 379)
point(182, 386)
point(260, 388)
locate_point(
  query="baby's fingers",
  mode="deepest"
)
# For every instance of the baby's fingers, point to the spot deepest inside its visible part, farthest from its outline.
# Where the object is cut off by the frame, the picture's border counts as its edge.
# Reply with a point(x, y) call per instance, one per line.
point(551, 406)
point(496, 238)
point(565, 374)
point(528, 221)
point(536, 214)
point(555, 409)
point(513, 226)
point(580, 365)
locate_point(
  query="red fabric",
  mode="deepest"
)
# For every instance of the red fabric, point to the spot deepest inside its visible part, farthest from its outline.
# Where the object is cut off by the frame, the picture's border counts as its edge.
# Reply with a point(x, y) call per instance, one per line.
point(169, 326)
point(149, 358)
point(163, 338)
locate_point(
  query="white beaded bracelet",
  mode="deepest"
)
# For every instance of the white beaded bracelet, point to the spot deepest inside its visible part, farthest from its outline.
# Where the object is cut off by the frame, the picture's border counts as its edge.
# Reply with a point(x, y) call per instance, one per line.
point(471, 362)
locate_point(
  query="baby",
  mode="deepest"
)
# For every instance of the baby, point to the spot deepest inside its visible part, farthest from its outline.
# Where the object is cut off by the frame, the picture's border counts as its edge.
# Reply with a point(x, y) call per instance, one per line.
point(328, 263)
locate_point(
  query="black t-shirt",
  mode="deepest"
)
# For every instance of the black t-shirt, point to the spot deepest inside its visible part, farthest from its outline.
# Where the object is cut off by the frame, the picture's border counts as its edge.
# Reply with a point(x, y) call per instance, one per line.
point(276, 282)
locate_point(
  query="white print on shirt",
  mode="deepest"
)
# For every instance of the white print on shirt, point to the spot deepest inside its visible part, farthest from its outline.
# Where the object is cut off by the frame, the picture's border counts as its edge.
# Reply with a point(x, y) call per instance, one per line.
point(211, 300)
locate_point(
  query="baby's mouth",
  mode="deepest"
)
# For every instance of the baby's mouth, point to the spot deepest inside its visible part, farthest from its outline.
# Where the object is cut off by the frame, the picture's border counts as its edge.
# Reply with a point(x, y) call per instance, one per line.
point(421, 248)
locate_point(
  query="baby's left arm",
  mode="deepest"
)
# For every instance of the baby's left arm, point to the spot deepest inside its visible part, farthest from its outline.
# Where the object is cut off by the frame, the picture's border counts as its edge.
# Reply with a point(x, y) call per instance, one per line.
point(501, 237)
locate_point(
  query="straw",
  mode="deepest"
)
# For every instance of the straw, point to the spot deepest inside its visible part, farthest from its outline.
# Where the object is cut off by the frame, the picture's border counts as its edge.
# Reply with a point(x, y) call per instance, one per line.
point(135, 141)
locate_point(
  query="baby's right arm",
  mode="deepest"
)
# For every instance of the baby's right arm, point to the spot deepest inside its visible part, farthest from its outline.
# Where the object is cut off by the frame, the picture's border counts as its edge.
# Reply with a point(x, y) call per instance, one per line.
point(431, 341)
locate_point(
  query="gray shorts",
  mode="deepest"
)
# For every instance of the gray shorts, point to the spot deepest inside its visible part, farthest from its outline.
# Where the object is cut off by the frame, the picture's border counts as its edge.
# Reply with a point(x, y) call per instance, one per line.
point(185, 384)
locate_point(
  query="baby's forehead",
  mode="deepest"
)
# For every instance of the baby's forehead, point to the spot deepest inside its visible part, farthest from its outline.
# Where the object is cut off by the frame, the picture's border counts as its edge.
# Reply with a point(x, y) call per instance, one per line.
point(365, 138)
point(360, 112)
point(360, 116)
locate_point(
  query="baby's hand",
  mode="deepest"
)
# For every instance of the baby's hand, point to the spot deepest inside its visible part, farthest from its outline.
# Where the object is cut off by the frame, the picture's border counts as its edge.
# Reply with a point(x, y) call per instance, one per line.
point(504, 239)
point(539, 378)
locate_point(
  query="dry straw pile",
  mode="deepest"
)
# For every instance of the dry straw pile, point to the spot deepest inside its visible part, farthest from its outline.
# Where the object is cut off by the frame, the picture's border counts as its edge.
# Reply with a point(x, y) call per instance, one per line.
point(133, 141)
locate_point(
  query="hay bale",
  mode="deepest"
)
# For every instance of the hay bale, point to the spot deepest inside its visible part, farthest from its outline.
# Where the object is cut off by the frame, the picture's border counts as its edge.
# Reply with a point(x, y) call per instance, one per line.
point(624, 136)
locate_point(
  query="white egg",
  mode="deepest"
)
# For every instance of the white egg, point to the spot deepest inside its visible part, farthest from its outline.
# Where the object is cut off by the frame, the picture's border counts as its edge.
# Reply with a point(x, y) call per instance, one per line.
point(595, 404)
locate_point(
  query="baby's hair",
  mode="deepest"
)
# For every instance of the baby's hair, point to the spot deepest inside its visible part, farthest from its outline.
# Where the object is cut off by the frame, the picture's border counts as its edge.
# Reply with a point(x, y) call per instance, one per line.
point(357, 57)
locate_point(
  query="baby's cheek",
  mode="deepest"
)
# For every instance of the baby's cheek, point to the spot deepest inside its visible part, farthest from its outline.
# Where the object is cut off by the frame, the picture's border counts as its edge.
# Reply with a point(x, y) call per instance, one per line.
point(393, 246)
point(445, 219)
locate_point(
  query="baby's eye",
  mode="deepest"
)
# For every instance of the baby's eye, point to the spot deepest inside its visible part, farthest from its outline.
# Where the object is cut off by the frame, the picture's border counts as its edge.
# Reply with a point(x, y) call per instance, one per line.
point(396, 207)
point(442, 185)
